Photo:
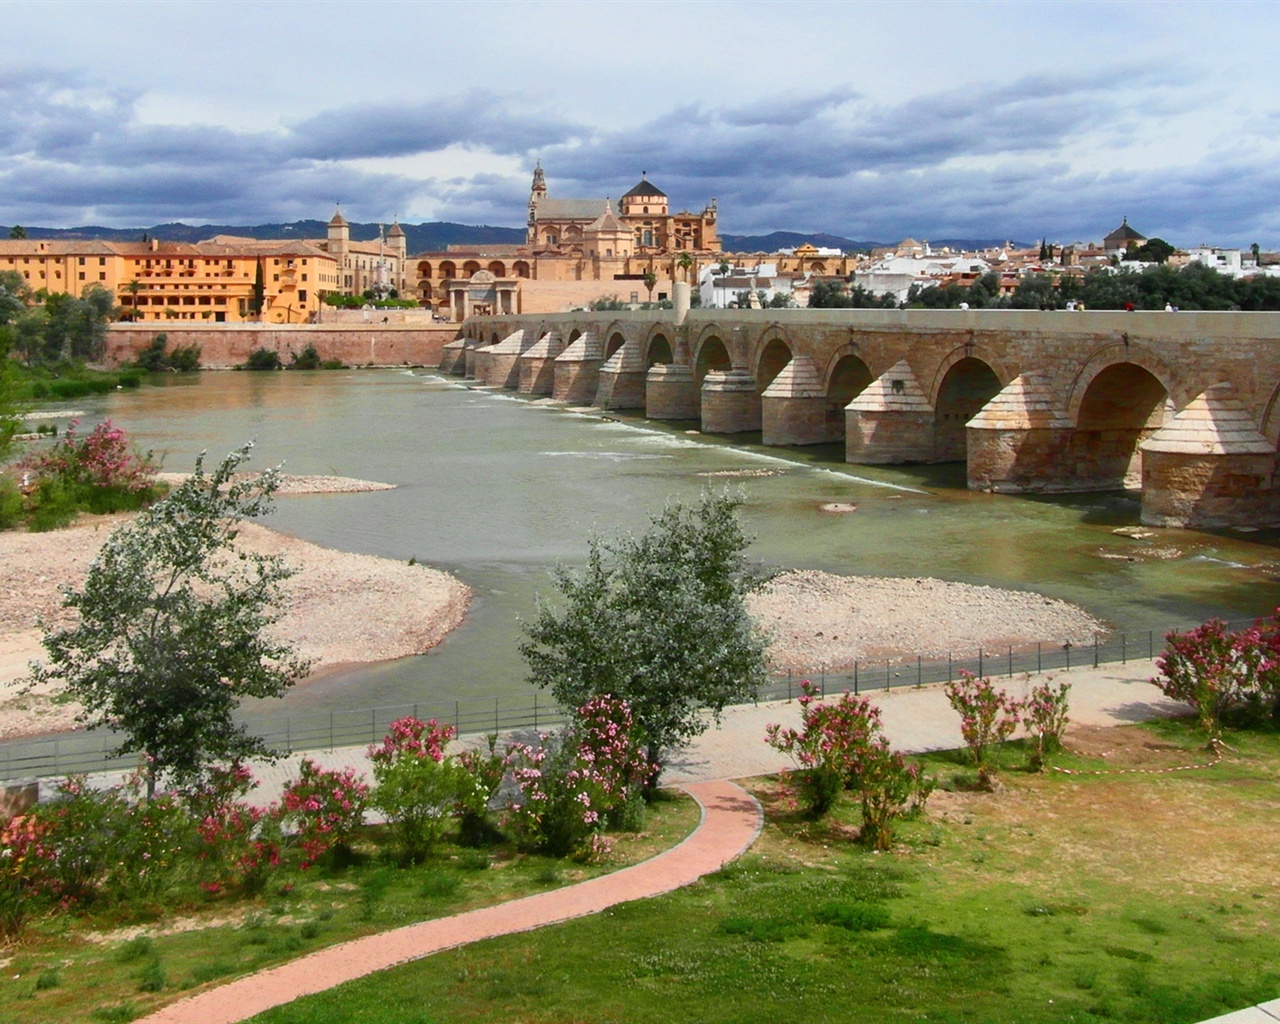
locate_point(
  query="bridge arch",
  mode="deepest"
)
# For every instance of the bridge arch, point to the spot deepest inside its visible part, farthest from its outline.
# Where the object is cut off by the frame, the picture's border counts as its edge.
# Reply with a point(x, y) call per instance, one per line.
point(773, 352)
point(846, 377)
point(1118, 406)
point(967, 379)
point(711, 354)
point(657, 349)
point(1270, 426)
point(615, 341)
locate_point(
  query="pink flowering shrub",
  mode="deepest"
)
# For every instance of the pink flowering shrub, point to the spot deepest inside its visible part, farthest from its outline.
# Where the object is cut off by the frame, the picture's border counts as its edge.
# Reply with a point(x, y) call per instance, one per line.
point(99, 472)
point(323, 809)
point(417, 787)
point(1044, 716)
point(841, 745)
point(572, 784)
point(26, 858)
point(1218, 671)
point(988, 718)
point(238, 845)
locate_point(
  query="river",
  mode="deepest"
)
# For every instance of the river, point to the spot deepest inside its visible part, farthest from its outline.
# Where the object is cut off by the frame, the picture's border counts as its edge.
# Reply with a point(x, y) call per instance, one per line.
point(498, 489)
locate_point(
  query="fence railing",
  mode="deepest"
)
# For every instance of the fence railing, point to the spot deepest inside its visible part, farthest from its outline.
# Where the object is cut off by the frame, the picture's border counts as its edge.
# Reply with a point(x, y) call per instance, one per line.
point(81, 752)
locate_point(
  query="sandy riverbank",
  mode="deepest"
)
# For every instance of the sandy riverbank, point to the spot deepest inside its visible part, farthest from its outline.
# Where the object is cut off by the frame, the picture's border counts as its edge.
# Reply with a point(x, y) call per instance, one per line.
point(341, 607)
point(820, 621)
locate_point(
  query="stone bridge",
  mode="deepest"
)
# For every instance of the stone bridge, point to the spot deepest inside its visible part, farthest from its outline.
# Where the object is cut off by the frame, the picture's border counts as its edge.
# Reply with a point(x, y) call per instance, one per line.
point(1182, 406)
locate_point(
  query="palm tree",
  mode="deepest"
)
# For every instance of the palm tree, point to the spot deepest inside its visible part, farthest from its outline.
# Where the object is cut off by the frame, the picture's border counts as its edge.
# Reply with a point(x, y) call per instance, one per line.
point(685, 262)
point(650, 279)
point(133, 287)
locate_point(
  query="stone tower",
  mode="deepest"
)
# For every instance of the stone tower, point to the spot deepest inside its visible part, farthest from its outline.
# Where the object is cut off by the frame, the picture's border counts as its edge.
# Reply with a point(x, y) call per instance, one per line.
point(339, 235)
point(537, 193)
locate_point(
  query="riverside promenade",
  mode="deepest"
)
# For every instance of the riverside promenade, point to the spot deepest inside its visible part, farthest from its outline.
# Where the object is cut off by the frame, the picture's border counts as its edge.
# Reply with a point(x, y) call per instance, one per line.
point(915, 719)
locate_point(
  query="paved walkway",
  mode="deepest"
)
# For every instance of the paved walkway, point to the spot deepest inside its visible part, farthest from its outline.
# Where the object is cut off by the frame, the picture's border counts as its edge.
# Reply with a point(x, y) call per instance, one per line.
point(914, 719)
point(731, 820)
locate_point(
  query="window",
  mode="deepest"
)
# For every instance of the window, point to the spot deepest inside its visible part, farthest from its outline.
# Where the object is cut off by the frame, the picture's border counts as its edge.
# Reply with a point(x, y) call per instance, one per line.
point(102, 275)
point(302, 295)
point(81, 260)
point(304, 277)
point(102, 261)
point(82, 275)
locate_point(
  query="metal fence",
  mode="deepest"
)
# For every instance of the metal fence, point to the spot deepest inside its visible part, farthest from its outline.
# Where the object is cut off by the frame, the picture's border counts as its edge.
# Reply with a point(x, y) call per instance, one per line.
point(79, 752)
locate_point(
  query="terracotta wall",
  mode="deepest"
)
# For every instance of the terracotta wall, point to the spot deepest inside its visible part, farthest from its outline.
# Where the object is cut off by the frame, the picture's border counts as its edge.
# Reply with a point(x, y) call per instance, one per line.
point(223, 346)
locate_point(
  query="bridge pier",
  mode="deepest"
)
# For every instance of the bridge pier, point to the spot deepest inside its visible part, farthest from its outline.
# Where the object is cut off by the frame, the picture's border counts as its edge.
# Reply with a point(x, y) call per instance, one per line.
point(502, 368)
point(453, 356)
point(1020, 441)
point(578, 371)
point(671, 393)
point(730, 404)
point(890, 421)
point(621, 381)
point(793, 409)
point(538, 365)
point(1208, 467)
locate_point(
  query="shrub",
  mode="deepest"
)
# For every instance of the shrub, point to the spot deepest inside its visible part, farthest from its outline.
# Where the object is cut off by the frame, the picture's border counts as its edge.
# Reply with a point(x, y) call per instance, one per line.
point(99, 473)
point(1044, 716)
point(840, 746)
point(1217, 671)
point(417, 787)
point(262, 359)
point(988, 717)
point(577, 782)
point(323, 808)
point(307, 359)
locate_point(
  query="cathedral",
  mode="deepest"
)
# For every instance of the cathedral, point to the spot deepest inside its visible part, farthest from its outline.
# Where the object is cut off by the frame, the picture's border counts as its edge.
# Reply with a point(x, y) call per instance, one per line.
point(640, 223)
point(576, 251)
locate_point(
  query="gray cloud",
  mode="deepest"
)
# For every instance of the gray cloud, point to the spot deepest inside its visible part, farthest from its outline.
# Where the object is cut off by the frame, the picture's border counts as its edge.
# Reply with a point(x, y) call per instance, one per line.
point(969, 161)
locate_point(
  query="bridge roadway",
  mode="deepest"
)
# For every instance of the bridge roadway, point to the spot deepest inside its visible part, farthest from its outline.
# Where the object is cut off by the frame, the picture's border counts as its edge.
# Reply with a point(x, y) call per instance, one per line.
point(1182, 406)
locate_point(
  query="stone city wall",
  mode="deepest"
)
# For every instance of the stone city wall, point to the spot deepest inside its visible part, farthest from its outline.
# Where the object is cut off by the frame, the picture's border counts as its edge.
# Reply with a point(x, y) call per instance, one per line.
point(223, 346)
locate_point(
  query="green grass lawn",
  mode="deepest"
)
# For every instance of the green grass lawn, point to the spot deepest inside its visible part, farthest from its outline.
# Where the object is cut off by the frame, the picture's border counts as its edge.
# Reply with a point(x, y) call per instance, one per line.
point(116, 965)
point(1115, 897)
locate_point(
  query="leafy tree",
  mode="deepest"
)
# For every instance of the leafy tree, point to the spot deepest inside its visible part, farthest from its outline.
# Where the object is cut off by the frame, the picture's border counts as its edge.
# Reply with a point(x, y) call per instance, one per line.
point(18, 232)
point(1153, 250)
point(658, 620)
point(172, 628)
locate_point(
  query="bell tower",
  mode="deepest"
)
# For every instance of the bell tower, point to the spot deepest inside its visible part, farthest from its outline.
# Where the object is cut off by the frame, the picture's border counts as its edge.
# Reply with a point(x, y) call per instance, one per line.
point(538, 192)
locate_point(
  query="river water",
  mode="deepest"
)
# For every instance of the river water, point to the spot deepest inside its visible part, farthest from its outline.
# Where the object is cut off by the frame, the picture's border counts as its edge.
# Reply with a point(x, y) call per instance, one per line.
point(498, 490)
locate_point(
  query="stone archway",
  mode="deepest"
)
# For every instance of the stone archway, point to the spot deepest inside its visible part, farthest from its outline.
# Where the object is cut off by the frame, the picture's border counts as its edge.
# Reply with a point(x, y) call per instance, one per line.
point(712, 355)
point(774, 357)
point(1123, 405)
point(848, 379)
point(968, 385)
point(659, 352)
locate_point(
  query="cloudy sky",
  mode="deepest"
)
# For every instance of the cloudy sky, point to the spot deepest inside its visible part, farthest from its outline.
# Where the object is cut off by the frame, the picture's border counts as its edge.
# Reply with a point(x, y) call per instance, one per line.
point(870, 120)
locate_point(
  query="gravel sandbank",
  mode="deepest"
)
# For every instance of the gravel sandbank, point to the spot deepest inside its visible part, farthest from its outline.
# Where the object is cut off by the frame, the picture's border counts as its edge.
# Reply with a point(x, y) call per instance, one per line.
point(818, 621)
point(340, 608)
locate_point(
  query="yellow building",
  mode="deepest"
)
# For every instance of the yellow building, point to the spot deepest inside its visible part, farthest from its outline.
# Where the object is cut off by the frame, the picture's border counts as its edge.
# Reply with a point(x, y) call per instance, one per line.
point(213, 281)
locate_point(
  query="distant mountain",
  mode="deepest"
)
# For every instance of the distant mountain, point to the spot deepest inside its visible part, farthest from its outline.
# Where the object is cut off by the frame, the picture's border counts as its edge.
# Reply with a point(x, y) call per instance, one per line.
point(428, 237)
point(790, 239)
point(776, 240)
